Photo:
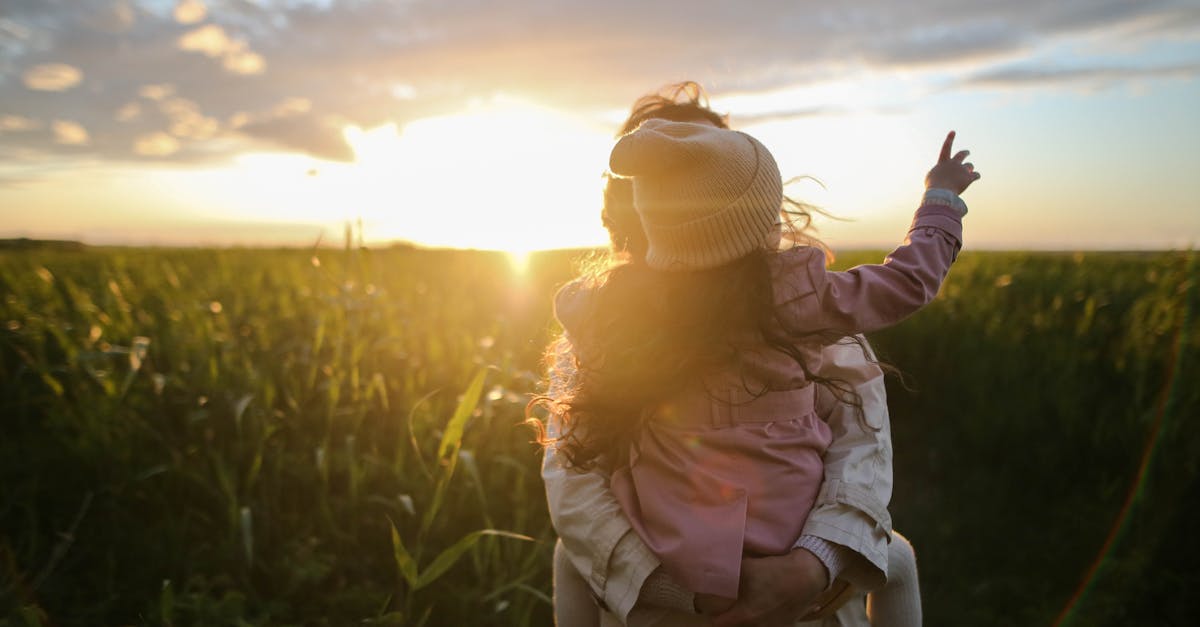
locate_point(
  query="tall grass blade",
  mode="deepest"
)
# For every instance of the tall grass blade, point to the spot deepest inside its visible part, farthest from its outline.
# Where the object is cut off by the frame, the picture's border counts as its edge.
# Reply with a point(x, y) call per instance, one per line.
point(166, 603)
point(247, 528)
point(451, 441)
point(452, 436)
point(450, 556)
point(405, 564)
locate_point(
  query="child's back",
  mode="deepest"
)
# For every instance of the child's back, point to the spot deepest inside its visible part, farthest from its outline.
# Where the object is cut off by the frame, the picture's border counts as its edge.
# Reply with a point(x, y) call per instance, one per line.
point(730, 464)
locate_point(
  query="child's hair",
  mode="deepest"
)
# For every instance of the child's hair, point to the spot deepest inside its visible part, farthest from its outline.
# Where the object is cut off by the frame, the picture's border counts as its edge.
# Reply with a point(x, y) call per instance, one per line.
point(650, 333)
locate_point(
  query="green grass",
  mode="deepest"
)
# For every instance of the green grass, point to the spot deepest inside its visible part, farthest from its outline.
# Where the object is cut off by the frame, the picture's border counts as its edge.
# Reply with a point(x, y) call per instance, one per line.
point(198, 437)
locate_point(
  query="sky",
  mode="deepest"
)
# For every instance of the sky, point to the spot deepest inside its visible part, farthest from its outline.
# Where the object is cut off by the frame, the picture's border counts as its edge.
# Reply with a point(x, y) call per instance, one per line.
point(476, 124)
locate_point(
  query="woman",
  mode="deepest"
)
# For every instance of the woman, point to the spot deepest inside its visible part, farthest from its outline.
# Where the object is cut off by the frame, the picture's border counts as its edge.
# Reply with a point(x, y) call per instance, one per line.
point(846, 537)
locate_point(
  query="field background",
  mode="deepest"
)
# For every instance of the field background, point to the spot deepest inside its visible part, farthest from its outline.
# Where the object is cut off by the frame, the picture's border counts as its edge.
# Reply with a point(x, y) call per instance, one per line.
point(287, 437)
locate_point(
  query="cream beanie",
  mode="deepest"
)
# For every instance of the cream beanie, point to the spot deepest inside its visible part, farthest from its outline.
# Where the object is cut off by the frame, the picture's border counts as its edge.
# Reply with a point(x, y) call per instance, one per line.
point(706, 195)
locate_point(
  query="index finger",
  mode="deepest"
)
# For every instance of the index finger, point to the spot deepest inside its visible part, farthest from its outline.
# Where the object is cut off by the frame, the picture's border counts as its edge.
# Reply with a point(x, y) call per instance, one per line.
point(947, 146)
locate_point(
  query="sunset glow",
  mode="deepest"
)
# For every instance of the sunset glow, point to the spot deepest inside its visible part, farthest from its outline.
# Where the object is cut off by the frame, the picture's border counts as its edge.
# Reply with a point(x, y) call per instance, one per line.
point(279, 122)
point(500, 175)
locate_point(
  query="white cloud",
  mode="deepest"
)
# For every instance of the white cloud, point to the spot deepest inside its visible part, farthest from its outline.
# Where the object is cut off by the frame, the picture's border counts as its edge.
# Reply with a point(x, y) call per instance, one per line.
point(190, 11)
point(239, 119)
point(370, 62)
point(211, 40)
point(70, 133)
point(186, 119)
point(157, 91)
point(10, 123)
point(52, 77)
point(244, 62)
point(155, 145)
point(128, 112)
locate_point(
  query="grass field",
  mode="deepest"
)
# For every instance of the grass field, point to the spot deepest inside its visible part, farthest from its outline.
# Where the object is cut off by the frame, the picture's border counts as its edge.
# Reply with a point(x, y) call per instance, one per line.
point(254, 437)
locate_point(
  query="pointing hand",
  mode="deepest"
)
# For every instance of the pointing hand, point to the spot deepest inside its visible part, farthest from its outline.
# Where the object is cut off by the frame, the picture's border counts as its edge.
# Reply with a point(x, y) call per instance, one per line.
point(951, 172)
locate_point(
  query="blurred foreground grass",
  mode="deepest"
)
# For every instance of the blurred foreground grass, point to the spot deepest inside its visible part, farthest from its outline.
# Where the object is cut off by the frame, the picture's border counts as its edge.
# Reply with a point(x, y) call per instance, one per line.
point(199, 437)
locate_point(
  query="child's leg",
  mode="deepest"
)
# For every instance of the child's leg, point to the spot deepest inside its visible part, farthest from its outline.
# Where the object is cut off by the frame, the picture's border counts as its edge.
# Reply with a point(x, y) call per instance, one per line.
point(898, 603)
point(573, 605)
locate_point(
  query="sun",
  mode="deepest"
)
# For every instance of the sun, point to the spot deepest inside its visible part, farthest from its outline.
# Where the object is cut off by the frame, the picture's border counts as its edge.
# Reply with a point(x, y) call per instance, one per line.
point(502, 174)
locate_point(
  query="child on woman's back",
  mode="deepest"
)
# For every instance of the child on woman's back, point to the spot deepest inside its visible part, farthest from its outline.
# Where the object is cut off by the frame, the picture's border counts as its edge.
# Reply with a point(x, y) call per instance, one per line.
point(695, 365)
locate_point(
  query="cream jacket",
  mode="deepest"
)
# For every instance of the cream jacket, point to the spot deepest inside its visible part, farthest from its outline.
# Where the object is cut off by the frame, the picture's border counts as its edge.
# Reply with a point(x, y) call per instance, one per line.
point(851, 509)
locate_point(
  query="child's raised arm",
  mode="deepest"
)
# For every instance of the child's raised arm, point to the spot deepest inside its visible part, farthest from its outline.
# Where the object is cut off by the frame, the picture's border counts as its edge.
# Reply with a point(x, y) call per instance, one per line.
point(871, 297)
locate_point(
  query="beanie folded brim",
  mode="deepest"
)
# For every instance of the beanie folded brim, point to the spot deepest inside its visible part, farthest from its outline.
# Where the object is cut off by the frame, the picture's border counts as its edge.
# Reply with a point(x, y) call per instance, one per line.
point(715, 239)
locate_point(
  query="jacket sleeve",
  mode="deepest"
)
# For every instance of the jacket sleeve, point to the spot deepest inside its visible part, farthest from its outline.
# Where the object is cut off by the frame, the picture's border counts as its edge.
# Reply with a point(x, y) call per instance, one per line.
point(851, 508)
point(595, 532)
point(871, 297)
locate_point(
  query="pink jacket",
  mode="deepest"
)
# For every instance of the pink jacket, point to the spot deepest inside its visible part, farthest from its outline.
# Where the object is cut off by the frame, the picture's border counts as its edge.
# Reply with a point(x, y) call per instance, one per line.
point(719, 473)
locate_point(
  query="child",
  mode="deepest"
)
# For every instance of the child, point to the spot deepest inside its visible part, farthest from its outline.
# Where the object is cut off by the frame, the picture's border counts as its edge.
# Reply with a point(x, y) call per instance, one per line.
point(700, 397)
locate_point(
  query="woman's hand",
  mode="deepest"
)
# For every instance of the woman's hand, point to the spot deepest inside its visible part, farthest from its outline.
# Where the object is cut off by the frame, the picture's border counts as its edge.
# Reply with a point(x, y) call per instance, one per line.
point(712, 604)
point(950, 172)
point(776, 590)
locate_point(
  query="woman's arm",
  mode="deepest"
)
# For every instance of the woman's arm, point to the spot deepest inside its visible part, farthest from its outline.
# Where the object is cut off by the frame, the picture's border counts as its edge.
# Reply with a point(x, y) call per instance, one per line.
point(850, 516)
point(597, 536)
point(851, 508)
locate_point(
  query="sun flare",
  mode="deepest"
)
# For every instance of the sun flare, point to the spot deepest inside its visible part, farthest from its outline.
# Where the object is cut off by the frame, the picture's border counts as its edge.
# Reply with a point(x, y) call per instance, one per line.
point(519, 260)
point(504, 175)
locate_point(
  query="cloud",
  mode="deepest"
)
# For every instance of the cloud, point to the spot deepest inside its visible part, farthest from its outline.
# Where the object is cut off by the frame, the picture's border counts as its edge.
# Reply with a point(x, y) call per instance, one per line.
point(223, 78)
point(949, 44)
point(52, 77)
point(312, 134)
point(12, 30)
point(244, 62)
point(156, 91)
point(189, 11)
point(742, 119)
point(209, 39)
point(1014, 77)
point(16, 123)
point(155, 145)
point(117, 16)
point(69, 133)
point(186, 120)
point(128, 112)
point(292, 106)
point(212, 41)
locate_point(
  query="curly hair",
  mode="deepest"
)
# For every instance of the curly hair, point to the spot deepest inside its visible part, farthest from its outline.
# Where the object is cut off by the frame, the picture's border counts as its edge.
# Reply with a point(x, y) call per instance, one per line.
point(648, 335)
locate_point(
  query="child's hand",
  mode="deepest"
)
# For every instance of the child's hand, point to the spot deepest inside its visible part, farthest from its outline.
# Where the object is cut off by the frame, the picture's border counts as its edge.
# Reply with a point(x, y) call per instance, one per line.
point(950, 172)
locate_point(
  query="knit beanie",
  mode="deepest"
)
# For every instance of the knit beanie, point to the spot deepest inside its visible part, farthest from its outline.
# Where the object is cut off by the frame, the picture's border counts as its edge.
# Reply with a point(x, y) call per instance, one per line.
point(706, 195)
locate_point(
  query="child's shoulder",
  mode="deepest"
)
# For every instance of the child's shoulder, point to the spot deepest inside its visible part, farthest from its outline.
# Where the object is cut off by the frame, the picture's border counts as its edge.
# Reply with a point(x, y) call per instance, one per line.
point(800, 256)
point(794, 272)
